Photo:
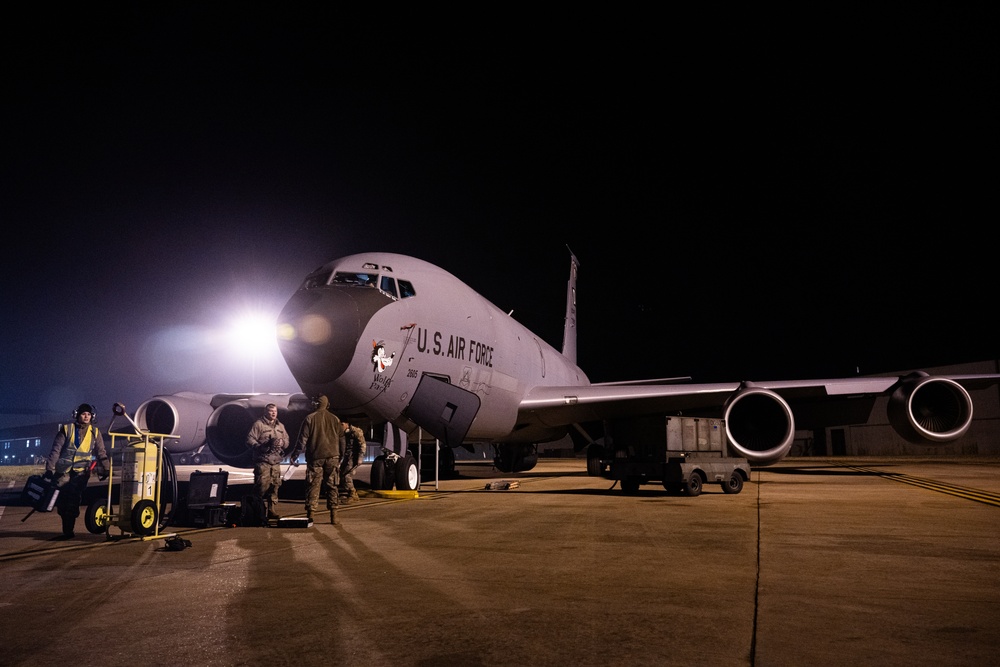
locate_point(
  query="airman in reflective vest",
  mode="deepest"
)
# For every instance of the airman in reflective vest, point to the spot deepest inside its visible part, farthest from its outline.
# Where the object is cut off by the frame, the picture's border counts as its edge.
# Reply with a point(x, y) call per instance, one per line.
point(69, 463)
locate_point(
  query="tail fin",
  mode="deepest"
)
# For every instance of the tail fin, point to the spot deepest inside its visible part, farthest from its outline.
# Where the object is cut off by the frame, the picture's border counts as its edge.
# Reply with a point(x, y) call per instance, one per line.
point(569, 327)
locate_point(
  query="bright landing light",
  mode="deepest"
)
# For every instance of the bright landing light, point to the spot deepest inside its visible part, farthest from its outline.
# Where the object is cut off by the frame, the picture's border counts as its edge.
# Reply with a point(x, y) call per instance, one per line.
point(253, 334)
point(256, 336)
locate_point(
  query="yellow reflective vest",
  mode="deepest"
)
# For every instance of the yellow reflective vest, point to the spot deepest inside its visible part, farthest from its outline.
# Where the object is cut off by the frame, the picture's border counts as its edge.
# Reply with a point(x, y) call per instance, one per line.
point(77, 446)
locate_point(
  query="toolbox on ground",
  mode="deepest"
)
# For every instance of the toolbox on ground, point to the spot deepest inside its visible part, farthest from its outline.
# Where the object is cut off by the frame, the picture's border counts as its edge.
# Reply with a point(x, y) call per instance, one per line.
point(41, 494)
point(206, 497)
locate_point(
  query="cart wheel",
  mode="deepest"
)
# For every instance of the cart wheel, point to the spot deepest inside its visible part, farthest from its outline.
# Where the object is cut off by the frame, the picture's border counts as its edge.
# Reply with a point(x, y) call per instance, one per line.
point(693, 487)
point(144, 517)
point(97, 518)
point(734, 484)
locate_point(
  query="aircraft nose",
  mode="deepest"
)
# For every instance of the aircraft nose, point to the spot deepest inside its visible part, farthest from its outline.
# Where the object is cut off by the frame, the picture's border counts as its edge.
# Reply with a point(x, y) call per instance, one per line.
point(318, 331)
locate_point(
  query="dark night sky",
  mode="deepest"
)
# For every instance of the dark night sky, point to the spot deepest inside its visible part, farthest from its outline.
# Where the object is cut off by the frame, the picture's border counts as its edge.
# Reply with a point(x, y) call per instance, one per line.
point(750, 196)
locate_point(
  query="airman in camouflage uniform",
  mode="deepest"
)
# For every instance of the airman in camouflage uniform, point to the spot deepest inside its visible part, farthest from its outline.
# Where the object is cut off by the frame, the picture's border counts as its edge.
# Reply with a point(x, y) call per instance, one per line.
point(268, 439)
point(352, 458)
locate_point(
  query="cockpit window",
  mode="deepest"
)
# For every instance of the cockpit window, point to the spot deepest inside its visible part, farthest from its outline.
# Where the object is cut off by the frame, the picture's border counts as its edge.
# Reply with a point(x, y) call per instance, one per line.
point(388, 285)
point(317, 279)
point(360, 279)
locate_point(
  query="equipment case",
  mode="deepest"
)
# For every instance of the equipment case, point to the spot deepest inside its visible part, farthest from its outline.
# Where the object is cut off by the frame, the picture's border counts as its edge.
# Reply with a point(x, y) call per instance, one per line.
point(206, 496)
point(40, 493)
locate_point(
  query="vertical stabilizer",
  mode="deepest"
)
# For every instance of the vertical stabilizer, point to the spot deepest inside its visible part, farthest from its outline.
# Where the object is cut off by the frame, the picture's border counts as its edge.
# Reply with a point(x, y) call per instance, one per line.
point(569, 327)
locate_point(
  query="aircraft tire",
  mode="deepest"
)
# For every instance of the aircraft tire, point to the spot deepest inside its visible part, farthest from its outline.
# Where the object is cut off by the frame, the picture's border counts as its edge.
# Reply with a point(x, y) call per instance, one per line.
point(407, 474)
point(734, 484)
point(97, 517)
point(693, 486)
point(379, 474)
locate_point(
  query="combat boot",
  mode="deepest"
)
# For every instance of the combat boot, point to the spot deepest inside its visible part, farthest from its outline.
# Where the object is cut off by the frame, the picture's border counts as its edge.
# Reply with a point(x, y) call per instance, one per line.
point(68, 523)
point(354, 496)
point(333, 518)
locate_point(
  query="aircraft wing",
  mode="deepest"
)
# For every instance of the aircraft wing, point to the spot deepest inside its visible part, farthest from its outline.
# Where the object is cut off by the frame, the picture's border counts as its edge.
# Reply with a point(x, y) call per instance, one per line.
point(555, 406)
point(761, 417)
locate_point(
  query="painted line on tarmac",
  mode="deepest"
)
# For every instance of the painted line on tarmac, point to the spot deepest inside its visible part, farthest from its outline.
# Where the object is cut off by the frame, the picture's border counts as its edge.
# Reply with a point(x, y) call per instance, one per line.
point(3, 507)
point(976, 495)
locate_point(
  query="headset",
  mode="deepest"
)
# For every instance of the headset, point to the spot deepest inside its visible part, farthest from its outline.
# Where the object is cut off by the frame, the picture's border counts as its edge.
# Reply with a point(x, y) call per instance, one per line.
point(85, 407)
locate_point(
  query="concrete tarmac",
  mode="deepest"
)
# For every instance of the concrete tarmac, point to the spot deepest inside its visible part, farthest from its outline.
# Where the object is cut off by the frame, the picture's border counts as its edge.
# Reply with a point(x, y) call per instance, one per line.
point(817, 562)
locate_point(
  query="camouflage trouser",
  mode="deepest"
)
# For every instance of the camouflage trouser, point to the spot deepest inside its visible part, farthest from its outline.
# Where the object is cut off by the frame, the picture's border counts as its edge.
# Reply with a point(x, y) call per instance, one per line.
point(266, 481)
point(346, 486)
point(318, 472)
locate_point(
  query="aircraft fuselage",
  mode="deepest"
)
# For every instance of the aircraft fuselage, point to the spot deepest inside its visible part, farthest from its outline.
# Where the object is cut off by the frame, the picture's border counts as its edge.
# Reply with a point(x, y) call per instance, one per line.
point(367, 329)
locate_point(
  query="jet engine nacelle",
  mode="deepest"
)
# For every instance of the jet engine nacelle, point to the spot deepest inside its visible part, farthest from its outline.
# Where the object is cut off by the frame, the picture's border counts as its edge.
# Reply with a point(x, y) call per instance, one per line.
point(928, 410)
point(510, 457)
point(229, 424)
point(183, 415)
point(759, 424)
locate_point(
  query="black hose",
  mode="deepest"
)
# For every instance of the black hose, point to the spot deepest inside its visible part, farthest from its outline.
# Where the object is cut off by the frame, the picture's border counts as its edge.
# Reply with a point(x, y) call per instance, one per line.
point(170, 471)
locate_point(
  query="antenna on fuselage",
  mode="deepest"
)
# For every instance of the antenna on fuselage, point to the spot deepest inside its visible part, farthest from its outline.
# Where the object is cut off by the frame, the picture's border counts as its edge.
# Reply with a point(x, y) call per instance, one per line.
point(569, 326)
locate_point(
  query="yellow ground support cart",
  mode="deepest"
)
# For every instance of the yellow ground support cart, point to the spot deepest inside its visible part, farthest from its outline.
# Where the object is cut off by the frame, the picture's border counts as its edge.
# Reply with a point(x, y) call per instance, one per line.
point(140, 508)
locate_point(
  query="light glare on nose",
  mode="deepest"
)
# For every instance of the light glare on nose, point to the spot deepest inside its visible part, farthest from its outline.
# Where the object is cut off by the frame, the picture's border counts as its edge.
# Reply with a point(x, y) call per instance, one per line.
point(315, 330)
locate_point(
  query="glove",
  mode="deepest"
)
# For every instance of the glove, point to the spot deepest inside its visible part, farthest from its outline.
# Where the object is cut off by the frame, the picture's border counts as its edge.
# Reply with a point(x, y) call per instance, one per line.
point(48, 475)
point(102, 475)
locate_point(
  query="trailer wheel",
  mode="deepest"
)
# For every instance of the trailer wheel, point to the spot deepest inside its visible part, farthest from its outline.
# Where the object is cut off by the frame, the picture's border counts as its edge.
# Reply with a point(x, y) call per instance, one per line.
point(630, 485)
point(595, 468)
point(693, 486)
point(144, 517)
point(97, 517)
point(734, 484)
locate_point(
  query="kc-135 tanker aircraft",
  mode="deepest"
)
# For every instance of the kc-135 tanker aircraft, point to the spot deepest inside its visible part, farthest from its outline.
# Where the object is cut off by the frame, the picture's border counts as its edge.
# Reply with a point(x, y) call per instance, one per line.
point(416, 354)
